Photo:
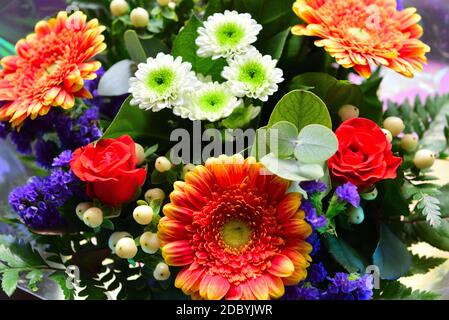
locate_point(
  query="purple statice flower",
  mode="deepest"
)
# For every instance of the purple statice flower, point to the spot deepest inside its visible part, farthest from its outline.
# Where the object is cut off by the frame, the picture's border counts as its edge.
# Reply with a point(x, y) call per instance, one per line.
point(317, 274)
point(314, 240)
point(45, 152)
point(301, 293)
point(3, 130)
point(22, 140)
point(348, 193)
point(312, 215)
point(312, 187)
point(400, 5)
point(344, 286)
point(63, 160)
point(38, 201)
point(92, 85)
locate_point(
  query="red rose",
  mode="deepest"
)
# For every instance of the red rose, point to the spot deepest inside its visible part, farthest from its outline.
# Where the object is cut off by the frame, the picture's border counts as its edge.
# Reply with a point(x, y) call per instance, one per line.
point(109, 169)
point(364, 154)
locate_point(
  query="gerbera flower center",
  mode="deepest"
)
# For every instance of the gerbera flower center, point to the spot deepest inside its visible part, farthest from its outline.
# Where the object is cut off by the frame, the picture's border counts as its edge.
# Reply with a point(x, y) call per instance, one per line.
point(253, 73)
point(161, 80)
point(229, 34)
point(359, 33)
point(236, 233)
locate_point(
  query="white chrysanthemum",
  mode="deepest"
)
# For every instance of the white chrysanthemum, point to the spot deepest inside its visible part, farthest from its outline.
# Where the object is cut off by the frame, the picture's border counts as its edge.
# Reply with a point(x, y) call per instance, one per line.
point(162, 82)
point(212, 102)
point(253, 75)
point(227, 34)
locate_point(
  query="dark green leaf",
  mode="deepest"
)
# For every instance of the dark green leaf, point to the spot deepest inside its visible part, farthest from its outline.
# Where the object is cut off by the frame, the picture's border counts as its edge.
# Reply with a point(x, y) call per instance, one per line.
point(274, 46)
point(344, 254)
point(421, 265)
point(394, 290)
point(60, 279)
point(9, 281)
point(34, 276)
point(134, 47)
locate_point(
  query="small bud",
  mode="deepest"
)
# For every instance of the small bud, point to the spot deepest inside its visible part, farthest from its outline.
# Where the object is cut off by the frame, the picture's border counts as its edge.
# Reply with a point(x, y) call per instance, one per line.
point(163, 3)
point(424, 159)
point(143, 215)
point(115, 237)
point(370, 195)
point(93, 217)
point(348, 111)
point(139, 17)
point(162, 164)
point(172, 5)
point(187, 168)
point(140, 154)
point(149, 242)
point(155, 194)
point(356, 215)
point(161, 272)
point(395, 125)
point(119, 7)
point(388, 134)
point(409, 142)
point(126, 248)
point(82, 207)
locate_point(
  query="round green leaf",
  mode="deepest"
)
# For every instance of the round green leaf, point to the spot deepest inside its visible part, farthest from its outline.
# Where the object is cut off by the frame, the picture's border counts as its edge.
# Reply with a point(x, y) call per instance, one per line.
point(301, 108)
point(282, 139)
point(291, 169)
point(315, 144)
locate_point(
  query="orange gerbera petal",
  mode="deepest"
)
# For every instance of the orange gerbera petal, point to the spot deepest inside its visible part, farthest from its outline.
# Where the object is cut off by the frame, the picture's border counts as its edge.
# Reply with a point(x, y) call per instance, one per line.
point(50, 67)
point(227, 224)
point(358, 33)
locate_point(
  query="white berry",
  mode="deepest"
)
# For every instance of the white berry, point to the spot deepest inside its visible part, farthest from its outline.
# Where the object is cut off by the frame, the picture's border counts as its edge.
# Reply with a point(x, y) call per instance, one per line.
point(126, 248)
point(172, 5)
point(370, 195)
point(409, 142)
point(388, 134)
point(140, 154)
point(119, 7)
point(162, 164)
point(82, 207)
point(161, 272)
point(115, 237)
point(424, 159)
point(155, 194)
point(356, 215)
point(187, 168)
point(139, 17)
point(143, 215)
point(93, 217)
point(348, 111)
point(149, 242)
point(394, 124)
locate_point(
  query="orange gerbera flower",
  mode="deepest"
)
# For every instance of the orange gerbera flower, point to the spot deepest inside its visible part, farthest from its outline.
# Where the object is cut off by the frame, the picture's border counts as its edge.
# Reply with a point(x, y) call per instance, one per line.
point(50, 67)
point(236, 231)
point(358, 33)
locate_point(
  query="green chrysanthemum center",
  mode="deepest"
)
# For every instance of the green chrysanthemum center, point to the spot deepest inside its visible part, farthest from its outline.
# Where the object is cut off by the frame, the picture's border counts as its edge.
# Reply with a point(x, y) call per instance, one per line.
point(229, 34)
point(253, 73)
point(213, 101)
point(236, 233)
point(161, 80)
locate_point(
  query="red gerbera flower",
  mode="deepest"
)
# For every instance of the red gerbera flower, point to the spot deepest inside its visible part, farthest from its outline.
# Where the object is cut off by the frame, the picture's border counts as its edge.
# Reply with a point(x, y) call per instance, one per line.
point(358, 33)
point(50, 67)
point(236, 231)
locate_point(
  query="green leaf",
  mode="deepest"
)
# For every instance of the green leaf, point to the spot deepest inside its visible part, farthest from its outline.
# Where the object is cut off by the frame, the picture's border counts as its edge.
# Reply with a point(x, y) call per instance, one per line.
point(344, 254)
point(241, 117)
point(35, 276)
point(9, 281)
point(151, 150)
point(184, 46)
point(60, 279)
point(394, 290)
point(134, 47)
point(291, 169)
point(315, 144)
point(437, 237)
point(274, 46)
point(301, 108)
point(108, 224)
point(143, 126)
point(115, 81)
point(421, 265)
point(391, 255)
point(153, 46)
point(10, 258)
point(283, 136)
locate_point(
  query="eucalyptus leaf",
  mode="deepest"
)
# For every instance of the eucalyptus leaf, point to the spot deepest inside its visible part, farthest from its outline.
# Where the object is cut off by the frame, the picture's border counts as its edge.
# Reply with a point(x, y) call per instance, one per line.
point(115, 81)
point(282, 139)
point(315, 144)
point(291, 169)
point(301, 108)
point(134, 47)
point(391, 255)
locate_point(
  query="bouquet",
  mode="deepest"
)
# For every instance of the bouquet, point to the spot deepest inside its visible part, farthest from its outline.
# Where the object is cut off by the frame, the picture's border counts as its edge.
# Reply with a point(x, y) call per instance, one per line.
point(221, 149)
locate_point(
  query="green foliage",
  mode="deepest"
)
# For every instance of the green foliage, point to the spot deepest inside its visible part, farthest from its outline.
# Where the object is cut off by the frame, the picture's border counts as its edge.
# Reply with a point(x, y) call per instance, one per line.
point(241, 117)
point(391, 255)
point(184, 46)
point(394, 290)
point(134, 47)
point(301, 108)
point(422, 264)
point(344, 254)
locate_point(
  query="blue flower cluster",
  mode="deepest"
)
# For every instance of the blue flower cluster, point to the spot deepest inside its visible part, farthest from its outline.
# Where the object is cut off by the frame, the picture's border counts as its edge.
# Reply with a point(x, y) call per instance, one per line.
point(312, 187)
point(317, 221)
point(348, 193)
